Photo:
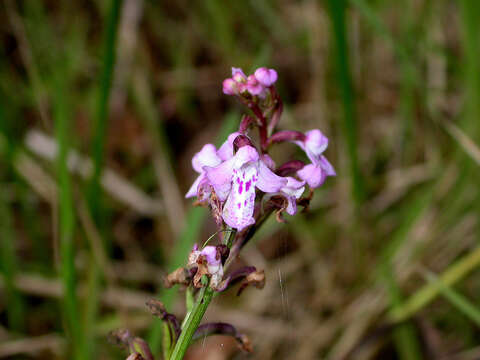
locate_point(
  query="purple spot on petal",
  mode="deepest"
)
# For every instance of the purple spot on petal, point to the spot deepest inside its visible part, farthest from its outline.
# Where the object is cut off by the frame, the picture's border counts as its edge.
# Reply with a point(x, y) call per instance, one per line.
point(245, 202)
point(247, 185)
point(240, 188)
point(239, 205)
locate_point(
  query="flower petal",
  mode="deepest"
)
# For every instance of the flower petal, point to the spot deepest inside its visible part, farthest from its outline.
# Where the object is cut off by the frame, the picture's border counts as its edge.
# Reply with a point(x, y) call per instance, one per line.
point(312, 174)
point(238, 72)
point(268, 161)
point(194, 188)
point(244, 155)
point(229, 87)
point(238, 210)
point(206, 157)
point(226, 150)
point(254, 87)
point(291, 205)
point(294, 187)
point(268, 181)
point(211, 254)
point(220, 177)
point(326, 166)
point(266, 76)
point(314, 144)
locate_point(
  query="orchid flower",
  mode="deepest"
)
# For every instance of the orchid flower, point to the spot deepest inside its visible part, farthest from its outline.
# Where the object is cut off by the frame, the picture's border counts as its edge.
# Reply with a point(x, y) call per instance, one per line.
point(234, 182)
point(292, 191)
point(205, 157)
point(229, 180)
point(314, 144)
point(213, 260)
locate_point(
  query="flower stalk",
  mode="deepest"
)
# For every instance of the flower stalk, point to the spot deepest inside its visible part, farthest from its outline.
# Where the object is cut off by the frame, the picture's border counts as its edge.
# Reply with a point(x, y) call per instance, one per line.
point(192, 322)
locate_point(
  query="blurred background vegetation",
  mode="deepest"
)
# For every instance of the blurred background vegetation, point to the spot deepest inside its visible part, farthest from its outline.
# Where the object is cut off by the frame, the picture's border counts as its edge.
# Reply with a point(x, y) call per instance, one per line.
point(102, 105)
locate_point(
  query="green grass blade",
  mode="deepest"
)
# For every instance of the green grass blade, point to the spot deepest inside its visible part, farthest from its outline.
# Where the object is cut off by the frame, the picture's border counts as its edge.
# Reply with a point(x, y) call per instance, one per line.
point(337, 11)
point(422, 297)
point(404, 335)
point(102, 106)
point(99, 138)
point(8, 265)
point(470, 12)
point(67, 220)
point(456, 299)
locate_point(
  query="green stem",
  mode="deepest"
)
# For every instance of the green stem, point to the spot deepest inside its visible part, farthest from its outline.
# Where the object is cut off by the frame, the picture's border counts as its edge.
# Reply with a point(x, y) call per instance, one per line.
point(191, 324)
point(195, 315)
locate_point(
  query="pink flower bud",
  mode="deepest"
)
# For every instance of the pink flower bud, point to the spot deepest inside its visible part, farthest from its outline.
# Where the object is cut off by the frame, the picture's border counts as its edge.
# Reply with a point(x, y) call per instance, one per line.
point(254, 87)
point(238, 75)
point(230, 87)
point(266, 77)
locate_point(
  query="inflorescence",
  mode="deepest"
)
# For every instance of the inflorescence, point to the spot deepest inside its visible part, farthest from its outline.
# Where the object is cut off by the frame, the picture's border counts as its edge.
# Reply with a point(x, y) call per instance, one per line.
point(242, 186)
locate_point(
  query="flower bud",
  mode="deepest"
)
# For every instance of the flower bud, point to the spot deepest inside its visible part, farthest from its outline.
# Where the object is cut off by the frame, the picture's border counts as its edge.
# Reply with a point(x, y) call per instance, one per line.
point(230, 87)
point(266, 77)
point(254, 87)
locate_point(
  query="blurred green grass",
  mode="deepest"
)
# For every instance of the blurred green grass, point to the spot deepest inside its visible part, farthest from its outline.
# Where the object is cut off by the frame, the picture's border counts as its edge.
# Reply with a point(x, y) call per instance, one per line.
point(135, 86)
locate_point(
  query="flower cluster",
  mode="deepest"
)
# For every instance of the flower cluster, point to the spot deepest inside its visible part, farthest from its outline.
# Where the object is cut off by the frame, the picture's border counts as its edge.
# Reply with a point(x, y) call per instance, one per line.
point(255, 84)
point(238, 175)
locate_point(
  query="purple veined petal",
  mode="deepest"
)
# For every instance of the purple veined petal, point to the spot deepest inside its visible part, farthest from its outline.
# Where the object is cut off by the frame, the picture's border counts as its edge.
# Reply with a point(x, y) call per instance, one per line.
point(326, 166)
point(206, 157)
point(238, 209)
point(268, 181)
point(312, 174)
point(226, 150)
point(266, 77)
point(254, 87)
point(294, 187)
point(210, 253)
point(220, 177)
point(194, 188)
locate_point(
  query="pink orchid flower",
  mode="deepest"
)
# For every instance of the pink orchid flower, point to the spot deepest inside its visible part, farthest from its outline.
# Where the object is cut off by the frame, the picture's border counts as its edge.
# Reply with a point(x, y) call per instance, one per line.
point(314, 144)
